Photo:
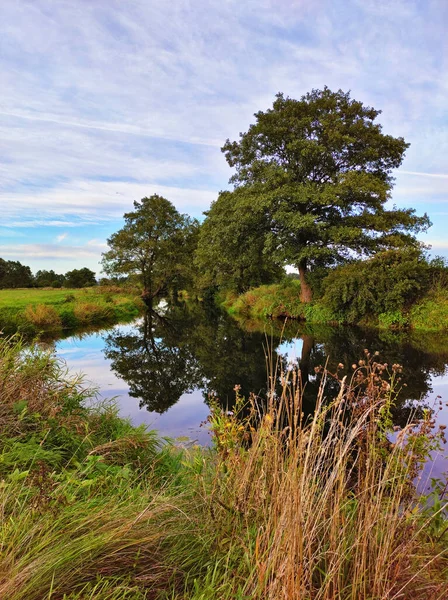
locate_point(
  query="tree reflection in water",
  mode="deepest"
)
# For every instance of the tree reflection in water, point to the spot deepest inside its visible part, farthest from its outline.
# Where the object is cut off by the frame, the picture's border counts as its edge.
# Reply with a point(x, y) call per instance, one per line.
point(154, 361)
point(167, 355)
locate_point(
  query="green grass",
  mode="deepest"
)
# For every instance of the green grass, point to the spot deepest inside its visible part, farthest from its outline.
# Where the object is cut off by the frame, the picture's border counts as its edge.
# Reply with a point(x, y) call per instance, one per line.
point(278, 300)
point(431, 313)
point(322, 508)
point(282, 300)
point(33, 311)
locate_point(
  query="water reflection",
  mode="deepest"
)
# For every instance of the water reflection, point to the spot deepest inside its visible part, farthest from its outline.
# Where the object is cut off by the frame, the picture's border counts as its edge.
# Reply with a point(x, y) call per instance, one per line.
point(155, 360)
point(170, 354)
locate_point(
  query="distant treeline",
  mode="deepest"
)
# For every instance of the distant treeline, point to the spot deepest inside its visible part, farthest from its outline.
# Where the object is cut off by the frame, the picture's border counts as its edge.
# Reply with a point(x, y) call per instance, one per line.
point(15, 275)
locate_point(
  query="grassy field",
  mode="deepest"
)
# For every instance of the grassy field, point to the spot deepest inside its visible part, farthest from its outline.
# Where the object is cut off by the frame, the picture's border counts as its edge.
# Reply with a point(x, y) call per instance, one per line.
point(281, 507)
point(32, 311)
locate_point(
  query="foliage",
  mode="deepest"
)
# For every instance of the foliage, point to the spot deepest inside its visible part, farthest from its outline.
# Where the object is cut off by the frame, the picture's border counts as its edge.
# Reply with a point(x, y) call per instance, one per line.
point(230, 252)
point(386, 284)
point(431, 312)
point(45, 278)
point(316, 173)
point(275, 300)
point(14, 275)
point(155, 245)
point(287, 504)
point(78, 278)
point(43, 316)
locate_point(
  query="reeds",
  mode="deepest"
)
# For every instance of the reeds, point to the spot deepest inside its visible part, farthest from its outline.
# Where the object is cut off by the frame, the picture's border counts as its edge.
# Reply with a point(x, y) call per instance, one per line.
point(326, 507)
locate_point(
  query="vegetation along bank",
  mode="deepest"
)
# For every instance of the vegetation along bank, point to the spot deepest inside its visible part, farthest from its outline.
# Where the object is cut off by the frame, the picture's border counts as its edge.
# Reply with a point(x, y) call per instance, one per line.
point(281, 506)
point(312, 183)
point(32, 311)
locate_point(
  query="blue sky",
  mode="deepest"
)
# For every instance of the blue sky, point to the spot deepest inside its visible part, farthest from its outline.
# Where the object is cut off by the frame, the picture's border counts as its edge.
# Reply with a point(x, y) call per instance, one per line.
point(103, 102)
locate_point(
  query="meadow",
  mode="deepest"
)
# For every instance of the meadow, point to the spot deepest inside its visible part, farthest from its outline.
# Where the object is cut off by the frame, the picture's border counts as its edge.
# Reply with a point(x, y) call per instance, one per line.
point(49, 310)
point(282, 505)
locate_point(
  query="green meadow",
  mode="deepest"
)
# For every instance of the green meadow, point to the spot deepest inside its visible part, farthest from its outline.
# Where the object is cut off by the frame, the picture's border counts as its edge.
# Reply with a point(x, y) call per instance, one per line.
point(33, 311)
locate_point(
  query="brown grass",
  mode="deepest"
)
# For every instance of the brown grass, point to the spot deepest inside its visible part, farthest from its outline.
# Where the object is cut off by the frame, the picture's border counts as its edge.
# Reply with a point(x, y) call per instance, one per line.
point(326, 508)
point(87, 312)
point(43, 316)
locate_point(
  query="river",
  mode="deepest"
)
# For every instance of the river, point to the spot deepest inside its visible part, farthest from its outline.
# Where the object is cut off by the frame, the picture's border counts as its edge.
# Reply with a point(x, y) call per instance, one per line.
point(162, 368)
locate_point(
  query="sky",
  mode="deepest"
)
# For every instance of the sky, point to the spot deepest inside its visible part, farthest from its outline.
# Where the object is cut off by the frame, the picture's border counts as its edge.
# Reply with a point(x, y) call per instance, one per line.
point(103, 102)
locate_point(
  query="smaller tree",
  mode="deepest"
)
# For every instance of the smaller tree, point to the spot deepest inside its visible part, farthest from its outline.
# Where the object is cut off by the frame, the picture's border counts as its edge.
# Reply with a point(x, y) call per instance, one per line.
point(45, 278)
point(152, 247)
point(79, 278)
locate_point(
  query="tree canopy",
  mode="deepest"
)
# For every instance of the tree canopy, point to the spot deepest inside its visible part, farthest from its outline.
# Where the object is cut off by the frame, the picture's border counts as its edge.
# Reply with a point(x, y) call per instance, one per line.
point(230, 250)
point(14, 275)
point(44, 278)
point(317, 174)
point(153, 247)
point(78, 278)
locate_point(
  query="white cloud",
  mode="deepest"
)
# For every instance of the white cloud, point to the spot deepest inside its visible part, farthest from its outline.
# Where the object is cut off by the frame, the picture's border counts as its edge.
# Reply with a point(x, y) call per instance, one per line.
point(50, 251)
point(419, 174)
point(144, 93)
point(95, 202)
point(61, 237)
point(437, 244)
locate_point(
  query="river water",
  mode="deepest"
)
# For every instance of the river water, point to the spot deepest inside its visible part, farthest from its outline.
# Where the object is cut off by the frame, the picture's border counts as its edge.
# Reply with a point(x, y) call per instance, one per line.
point(162, 368)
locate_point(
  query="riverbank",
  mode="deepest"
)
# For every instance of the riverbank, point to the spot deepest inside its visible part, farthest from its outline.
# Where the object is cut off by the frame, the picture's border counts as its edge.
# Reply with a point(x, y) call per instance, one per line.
point(51, 310)
point(282, 300)
point(92, 507)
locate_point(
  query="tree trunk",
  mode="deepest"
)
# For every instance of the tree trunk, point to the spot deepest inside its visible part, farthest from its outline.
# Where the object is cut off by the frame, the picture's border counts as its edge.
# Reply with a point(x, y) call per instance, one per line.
point(306, 293)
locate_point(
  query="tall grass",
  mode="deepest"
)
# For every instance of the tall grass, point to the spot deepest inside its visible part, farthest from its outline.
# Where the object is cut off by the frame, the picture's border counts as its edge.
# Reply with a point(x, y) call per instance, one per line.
point(287, 504)
point(326, 506)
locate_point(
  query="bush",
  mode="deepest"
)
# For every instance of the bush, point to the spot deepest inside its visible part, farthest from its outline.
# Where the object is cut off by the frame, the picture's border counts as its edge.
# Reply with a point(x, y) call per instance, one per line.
point(431, 312)
point(88, 313)
point(68, 318)
point(390, 282)
point(275, 300)
point(43, 316)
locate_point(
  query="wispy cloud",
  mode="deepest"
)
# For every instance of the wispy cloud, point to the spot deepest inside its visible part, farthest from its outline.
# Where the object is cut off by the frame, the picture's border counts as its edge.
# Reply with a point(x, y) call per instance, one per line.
point(50, 251)
point(61, 237)
point(420, 174)
point(105, 102)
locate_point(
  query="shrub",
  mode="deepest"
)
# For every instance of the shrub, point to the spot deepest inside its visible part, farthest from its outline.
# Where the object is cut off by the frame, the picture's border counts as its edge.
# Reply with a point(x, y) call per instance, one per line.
point(275, 300)
point(431, 312)
point(88, 313)
point(392, 320)
point(68, 318)
point(43, 316)
point(389, 282)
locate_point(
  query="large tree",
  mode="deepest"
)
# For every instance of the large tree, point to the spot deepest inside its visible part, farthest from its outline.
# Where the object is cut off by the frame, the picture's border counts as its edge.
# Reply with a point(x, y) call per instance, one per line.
point(153, 247)
point(317, 175)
